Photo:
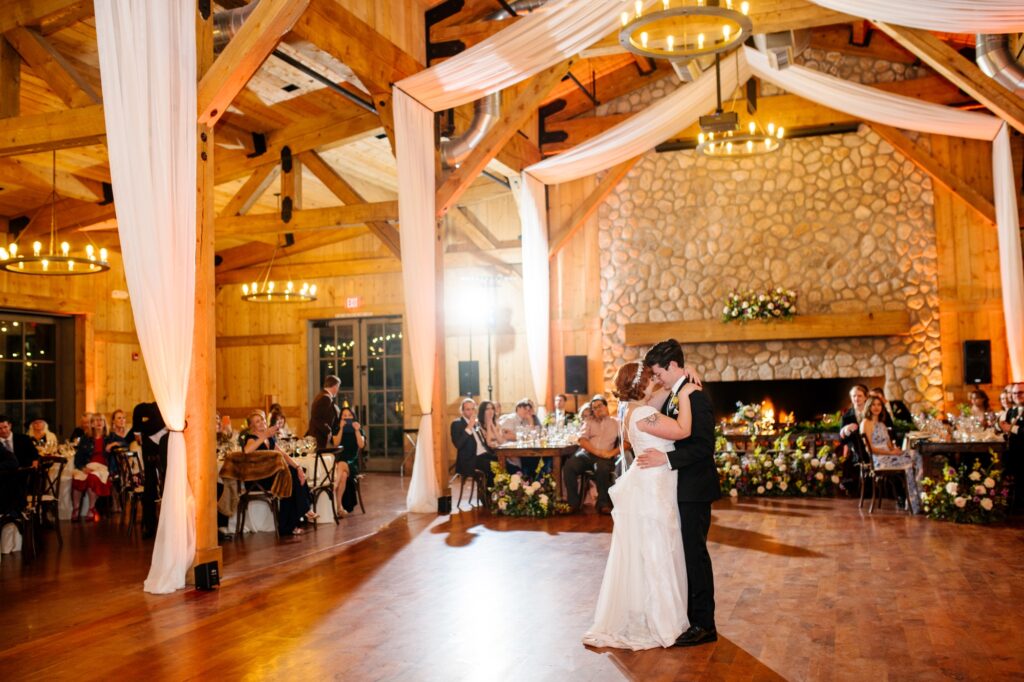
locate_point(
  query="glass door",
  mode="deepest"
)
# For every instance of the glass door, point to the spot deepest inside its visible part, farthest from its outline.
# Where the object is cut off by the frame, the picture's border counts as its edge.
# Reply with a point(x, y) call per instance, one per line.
point(366, 354)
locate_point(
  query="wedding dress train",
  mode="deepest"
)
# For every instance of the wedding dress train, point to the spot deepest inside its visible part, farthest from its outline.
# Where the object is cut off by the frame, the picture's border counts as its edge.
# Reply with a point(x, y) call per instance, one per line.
point(642, 604)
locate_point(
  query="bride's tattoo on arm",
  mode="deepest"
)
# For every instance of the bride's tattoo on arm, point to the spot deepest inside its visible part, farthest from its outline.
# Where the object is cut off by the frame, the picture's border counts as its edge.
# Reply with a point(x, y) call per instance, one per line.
point(651, 419)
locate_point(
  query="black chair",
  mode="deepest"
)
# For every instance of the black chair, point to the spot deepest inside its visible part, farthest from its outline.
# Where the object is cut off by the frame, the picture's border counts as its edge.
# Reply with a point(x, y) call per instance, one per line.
point(47, 501)
point(586, 478)
point(254, 492)
point(129, 465)
point(478, 487)
point(324, 485)
point(878, 477)
point(23, 480)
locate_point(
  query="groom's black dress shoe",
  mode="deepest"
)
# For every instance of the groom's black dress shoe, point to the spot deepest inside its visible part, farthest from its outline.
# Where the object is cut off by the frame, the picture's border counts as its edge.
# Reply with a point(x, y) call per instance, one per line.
point(697, 635)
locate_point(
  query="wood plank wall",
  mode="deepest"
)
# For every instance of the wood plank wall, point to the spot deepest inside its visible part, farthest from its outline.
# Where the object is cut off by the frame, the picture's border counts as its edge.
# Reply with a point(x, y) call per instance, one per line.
point(970, 294)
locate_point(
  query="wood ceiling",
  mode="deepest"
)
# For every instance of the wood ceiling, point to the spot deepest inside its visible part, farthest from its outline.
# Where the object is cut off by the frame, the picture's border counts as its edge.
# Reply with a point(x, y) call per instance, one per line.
point(51, 102)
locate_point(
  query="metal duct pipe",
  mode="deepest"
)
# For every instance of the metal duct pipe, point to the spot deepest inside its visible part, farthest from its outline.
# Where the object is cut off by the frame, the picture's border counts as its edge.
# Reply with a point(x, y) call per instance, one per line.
point(227, 23)
point(996, 60)
point(519, 7)
point(485, 114)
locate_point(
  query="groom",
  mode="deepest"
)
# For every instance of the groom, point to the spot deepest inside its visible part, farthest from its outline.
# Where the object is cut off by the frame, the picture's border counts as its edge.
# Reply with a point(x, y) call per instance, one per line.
point(698, 487)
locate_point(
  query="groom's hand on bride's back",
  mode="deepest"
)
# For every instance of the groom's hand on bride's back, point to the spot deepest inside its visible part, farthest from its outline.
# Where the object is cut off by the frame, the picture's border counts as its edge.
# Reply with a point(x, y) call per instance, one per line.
point(651, 458)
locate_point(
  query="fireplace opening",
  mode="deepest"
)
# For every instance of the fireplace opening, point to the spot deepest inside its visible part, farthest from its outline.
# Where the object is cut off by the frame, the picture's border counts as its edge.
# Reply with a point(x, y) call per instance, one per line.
point(805, 399)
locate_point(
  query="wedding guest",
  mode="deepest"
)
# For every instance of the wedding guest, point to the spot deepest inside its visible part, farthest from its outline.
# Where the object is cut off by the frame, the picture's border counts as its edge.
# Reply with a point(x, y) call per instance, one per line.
point(467, 439)
point(896, 409)
point(323, 413)
point(884, 455)
point(1013, 426)
point(487, 414)
point(151, 434)
point(346, 466)
point(1005, 404)
point(290, 510)
point(42, 438)
point(848, 430)
point(977, 400)
point(533, 414)
point(278, 419)
point(119, 436)
point(225, 432)
point(887, 416)
point(598, 443)
point(586, 412)
point(92, 469)
point(559, 416)
point(16, 451)
point(82, 428)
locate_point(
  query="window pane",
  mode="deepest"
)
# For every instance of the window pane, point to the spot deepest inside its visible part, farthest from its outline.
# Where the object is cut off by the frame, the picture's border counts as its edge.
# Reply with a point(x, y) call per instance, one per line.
point(377, 407)
point(15, 413)
point(40, 380)
point(46, 410)
point(10, 339)
point(10, 380)
point(395, 441)
point(394, 340)
point(377, 440)
point(40, 340)
point(327, 367)
point(394, 407)
point(394, 373)
point(375, 373)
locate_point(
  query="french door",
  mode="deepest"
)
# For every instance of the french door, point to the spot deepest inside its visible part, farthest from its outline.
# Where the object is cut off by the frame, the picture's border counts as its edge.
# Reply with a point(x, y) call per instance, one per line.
point(366, 354)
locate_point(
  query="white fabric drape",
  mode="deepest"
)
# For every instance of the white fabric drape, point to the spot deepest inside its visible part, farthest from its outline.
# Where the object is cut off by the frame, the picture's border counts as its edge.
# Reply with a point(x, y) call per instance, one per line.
point(950, 16)
point(1010, 269)
point(147, 54)
point(533, 217)
point(414, 147)
point(530, 45)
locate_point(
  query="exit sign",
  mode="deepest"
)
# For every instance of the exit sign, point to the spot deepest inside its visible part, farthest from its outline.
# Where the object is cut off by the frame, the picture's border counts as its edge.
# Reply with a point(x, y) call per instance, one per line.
point(353, 302)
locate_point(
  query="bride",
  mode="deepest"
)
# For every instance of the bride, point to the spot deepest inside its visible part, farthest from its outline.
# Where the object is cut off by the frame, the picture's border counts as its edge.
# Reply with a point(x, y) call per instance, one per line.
point(642, 604)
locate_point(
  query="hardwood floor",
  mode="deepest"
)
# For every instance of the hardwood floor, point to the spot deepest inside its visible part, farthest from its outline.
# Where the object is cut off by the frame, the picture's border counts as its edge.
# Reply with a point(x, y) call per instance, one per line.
point(806, 590)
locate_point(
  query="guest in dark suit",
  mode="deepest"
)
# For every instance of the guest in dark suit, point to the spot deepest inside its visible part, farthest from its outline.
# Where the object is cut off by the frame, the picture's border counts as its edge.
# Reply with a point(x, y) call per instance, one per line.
point(698, 487)
point(323, 413)
point(559, 416)
point(151, 434)
point(1013, 426)
point(16, 451)
point(467, 439)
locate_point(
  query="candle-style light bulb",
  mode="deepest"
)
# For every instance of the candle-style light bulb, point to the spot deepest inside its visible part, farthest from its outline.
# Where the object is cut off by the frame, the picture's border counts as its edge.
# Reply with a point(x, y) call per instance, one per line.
point(728, 147)
point(624, 18)
point(745, 8)
point(13, 248)
point(64, 248)
point(781, 131)
point(289, 286)
point(639, 7)
point(728, 4)
point(103, 255)
point(643, 39)
point(664, 4)
point(46, 265)
point(771, 128)
point(726, 30)
point(90, 252)
point(4, 255)
point(270, 287)
point(245, 289)
point(36, 248)
point(750, 146)
point(312, 290)
point(700, 41)
point(71, 266)
point(671, 43)
point(751, 127)
point(700, 138)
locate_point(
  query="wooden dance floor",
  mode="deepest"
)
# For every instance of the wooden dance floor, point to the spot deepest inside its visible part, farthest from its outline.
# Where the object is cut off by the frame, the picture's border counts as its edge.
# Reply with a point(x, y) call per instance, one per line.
point(806, 590)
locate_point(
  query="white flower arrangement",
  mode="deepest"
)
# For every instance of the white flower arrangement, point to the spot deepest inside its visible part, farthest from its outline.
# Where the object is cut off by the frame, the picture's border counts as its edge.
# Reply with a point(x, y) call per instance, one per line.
point(774, 304)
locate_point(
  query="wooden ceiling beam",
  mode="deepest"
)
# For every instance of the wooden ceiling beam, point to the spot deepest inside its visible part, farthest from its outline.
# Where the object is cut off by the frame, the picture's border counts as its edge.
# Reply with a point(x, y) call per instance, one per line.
point(52, 130)
point(70, 214)
point(875, 45)
point(608, 86)
point(250, 192)
point(590, 205)
point(62, 19)
point(939, 173)
point(10, 80)
point(244, 54)
point(255, 253)
point(386, 232)
point(32, 12)
point(513, 116)
point(40, 178)
point(340, 267)
point(960, 71)
point(309, 220)
point(51, 66)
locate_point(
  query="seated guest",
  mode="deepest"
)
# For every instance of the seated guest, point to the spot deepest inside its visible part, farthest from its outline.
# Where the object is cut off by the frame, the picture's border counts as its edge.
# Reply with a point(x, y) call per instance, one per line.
point(586, 412)
point(849, 429)
point(346, 467)
point(599, 442)
point(979, 405)
point(42, 437)
point(467, 439)
point(16, 451)
point(290, 511)
point(884, 455)
point(225, 432)
point(1005, 404)
point(1013, 426)
point(278, 419)
point(559, 416)
point(151, 434)
point(533, 414)
point(887, 416)
point(120, 437)
point(82, 429)
point(487, 414)
point(521, 421)
point(92, 469)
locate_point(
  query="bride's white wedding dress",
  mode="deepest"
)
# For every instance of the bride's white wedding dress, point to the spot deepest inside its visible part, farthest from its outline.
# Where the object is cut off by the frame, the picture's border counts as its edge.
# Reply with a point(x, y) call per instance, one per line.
point(642, 604)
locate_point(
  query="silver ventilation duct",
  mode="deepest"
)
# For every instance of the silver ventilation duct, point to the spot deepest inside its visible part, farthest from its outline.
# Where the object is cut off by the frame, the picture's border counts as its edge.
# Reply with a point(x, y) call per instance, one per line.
point(996, 60)
point(485, 114)
point(227, 23)
point(519, 7)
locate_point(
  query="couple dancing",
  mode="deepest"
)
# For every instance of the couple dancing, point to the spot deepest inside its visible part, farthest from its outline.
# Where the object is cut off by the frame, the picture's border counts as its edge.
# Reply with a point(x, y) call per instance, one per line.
point(658, 581)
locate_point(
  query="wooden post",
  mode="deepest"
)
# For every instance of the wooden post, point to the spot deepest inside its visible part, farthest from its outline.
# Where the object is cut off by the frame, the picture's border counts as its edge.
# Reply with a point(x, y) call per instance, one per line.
point(440, 399)
point(200, 433)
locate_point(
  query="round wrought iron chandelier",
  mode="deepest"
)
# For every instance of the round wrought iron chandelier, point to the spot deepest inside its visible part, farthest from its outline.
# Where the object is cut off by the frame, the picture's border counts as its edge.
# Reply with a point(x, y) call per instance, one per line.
point(266, 290)
point(680, 30)
point(734, 144)
point(53, 261)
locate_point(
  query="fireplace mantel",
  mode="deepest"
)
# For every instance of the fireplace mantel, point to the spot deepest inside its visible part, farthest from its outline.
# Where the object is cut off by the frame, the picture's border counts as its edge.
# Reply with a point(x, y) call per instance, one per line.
point(841, 325)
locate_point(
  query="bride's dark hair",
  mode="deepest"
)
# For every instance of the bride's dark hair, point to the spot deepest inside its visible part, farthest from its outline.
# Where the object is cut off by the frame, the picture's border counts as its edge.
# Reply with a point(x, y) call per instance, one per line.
point(631, 380)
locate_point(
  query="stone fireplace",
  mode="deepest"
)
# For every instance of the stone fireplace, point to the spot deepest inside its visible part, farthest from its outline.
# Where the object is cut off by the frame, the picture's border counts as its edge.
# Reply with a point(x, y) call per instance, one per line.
point(806, 399)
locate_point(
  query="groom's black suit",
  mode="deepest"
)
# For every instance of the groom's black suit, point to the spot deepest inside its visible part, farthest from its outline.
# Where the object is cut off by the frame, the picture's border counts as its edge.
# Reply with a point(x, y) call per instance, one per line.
point(698, 487)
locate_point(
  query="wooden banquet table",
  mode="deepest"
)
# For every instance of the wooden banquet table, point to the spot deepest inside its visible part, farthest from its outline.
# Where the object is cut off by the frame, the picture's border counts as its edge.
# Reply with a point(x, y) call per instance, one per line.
point(954, 451)
point(556, 453)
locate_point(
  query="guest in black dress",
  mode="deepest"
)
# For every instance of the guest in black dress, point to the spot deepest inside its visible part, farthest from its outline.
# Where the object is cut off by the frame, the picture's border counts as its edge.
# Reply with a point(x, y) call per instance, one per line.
point(346, 467)
point(292, 509)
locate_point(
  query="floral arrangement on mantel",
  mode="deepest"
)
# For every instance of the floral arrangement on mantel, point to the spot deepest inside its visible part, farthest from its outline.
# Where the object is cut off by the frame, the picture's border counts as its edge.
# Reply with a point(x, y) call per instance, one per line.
point(977, 495)
point(800, 472)
point(774, 304)
point(513, 495)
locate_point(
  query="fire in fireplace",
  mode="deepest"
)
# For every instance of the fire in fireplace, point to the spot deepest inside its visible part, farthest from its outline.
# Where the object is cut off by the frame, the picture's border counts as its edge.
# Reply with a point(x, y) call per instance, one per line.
point(790, 399)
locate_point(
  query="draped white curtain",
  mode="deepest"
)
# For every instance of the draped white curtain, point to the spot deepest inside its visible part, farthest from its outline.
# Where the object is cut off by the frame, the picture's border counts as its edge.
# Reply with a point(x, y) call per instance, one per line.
point(530, 45)
point(533, 217)
point(147, 54)
point(1011, 271)
point(951, 16)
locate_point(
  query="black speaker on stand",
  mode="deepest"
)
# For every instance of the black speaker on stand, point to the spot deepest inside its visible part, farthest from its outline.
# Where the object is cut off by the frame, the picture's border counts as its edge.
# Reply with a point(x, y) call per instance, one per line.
point(576, 377)
point(977, 362)
point(469, 378)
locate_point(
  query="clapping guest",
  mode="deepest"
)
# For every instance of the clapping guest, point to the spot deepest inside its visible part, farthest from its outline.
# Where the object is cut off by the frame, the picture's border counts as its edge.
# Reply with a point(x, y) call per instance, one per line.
point(346, 467)
point(290, 510)
point(42, 437)
point(884, 455)
point(278, 419)
point(92, 468)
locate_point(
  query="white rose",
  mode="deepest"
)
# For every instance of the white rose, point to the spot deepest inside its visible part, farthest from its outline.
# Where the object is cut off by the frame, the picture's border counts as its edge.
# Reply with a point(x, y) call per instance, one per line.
point(820, 476)
point(829, 466)
point(952, 488)
point(782, 467)
point(960, 502)
point(502, 506)
point(989, 483)
point(803, 489)
point(835, 479)
point(980, 490)
point(807, 455)
point(736, 470)
point(734, 493)
point(783, 485)
point(513, 484)
point(975, 476)
point(529, 490)
point(779, 462)
point(815, 462)
point(760, 490)
point(543, 500)
point(986, 504)
point(535, 485)
point(768, 485)
point(725, 310)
